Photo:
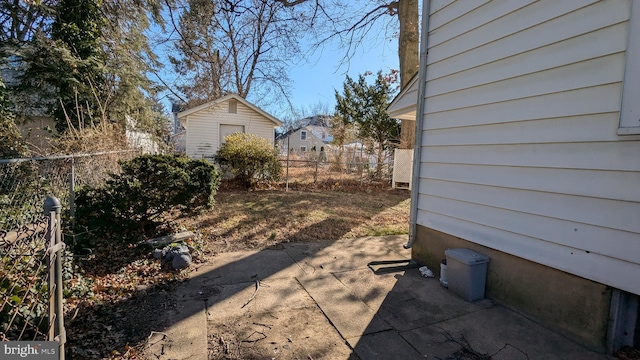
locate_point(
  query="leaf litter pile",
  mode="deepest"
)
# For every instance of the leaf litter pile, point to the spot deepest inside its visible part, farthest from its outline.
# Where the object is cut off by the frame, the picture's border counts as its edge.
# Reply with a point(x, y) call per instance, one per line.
point(123, 294)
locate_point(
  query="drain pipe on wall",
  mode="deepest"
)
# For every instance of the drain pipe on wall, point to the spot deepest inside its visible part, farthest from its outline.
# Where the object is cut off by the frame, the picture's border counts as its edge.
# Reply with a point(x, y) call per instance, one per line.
point(417, 145)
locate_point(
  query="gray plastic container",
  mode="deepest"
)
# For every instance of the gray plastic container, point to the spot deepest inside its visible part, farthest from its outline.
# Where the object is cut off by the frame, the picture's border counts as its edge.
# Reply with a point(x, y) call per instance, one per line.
point(467, 273)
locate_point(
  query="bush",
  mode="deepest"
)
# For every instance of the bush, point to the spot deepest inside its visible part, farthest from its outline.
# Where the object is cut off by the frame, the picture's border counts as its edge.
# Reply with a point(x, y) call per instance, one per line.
point(150, 190)
point(251, 159)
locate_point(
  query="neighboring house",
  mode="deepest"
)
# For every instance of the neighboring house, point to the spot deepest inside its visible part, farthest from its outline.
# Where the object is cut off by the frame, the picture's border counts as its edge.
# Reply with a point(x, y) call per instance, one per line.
point(530, 134)
point(35, 125)
point(304, 139)
point(313, 132)
point(208, 124)
point(139, 139)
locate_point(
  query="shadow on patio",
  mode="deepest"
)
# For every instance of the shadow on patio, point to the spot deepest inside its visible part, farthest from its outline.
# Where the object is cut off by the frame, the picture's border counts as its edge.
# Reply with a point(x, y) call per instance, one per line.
point(320, 300)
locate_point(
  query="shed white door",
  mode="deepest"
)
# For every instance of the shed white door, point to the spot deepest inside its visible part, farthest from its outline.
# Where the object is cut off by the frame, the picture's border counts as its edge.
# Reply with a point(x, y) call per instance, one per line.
point(226, 129)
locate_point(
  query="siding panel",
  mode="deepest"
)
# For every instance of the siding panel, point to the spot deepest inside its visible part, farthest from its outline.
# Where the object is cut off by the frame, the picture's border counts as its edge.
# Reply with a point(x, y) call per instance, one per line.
point(586, 155)
point(600, 15)
point(603, 70)
point(611, 40)
point(452, 11)
point(621, 185)
point(520, 150)
point(486, 13)
point(577, 236)
point(535, 14)
point(572, 208)
point(585, 128)
point(587, 101)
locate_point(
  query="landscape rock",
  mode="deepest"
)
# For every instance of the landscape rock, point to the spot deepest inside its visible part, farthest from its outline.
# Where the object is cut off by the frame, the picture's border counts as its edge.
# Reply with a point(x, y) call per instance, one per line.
point(181, 261)
point(178, 254)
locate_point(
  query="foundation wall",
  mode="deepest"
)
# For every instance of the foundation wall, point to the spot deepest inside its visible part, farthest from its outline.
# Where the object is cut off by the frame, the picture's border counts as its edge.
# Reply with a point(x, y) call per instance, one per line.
point(576, 307)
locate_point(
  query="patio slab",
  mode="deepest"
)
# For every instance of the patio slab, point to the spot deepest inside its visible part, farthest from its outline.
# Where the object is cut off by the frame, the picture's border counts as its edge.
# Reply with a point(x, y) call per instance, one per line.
point(319, 300)
point(350, 316)
point(498, 332)
point(346, 254)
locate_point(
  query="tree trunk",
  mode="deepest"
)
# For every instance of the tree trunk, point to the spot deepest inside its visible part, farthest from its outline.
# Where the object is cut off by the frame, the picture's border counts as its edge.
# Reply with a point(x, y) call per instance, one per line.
point(409, 59)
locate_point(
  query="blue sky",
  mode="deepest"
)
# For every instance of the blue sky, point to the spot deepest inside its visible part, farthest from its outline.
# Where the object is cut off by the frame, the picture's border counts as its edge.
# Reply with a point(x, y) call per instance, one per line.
point(315, 80)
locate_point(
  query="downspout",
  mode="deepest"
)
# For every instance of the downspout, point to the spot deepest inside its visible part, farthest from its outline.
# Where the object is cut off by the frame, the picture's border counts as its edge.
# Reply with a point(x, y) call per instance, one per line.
point(417, 145)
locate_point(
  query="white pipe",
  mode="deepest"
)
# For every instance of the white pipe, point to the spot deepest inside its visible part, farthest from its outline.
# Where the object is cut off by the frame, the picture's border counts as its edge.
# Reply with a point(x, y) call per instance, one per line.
point(417, 145)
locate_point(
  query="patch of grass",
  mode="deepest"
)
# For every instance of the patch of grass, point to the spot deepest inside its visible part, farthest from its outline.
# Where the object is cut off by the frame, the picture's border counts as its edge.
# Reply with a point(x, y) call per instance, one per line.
point(244, 220)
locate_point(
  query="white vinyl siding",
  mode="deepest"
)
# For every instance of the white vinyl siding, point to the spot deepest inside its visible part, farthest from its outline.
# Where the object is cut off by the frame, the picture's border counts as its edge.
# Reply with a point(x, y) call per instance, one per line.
point(203, 127)
point(630, 113)
point(521, 150)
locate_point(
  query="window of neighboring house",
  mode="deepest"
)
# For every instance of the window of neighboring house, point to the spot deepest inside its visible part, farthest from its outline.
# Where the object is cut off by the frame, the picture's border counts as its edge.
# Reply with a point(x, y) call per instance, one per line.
point(630, 111)
point(303, 148)
point(303, 135)
point(233, 106)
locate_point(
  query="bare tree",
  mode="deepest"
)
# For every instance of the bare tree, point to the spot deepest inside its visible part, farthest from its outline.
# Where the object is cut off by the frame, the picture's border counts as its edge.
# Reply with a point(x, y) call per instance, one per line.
point(238, 47)
point(336, 19)
point(20, 20)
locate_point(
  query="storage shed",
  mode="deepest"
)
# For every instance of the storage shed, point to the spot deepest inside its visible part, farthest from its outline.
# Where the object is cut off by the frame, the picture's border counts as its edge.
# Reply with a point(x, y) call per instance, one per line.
point(208, 124)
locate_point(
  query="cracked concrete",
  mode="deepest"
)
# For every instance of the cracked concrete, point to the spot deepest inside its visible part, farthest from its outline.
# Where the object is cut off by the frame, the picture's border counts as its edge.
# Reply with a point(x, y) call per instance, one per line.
point(319, 300)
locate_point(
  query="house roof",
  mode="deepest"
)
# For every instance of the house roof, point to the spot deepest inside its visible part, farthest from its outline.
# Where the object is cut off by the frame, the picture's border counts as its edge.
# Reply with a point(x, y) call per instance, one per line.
point(404, 105)
point(316, 120)
point(253, 107)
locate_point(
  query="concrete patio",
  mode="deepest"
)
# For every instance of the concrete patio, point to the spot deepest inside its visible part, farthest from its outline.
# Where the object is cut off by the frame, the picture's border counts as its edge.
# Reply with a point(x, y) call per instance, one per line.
point(321, 301)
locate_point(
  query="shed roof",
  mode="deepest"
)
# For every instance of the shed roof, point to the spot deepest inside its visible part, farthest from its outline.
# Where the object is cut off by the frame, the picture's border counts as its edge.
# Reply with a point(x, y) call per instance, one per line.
point(198, 108)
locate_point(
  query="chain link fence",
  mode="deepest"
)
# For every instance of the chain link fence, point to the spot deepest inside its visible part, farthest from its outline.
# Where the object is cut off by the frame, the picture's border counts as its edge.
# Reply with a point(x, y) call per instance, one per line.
point(31, 247)
point(31, 285)
point(25, 183)
point(352, 167)
point(23, 283)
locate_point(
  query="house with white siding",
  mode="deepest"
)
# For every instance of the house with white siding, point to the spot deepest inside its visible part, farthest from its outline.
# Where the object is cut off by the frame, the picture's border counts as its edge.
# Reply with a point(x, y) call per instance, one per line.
point(208, 124)
point(528, 151)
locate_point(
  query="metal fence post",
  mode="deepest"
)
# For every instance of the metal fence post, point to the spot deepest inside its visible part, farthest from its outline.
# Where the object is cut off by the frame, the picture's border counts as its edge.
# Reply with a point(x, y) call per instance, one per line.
point(72, 195)
point(286, 188)
point(57, 332)
point(361, 163)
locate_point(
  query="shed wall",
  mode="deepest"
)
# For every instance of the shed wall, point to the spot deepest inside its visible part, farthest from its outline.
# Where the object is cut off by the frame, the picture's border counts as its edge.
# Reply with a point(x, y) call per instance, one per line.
point(203, 127)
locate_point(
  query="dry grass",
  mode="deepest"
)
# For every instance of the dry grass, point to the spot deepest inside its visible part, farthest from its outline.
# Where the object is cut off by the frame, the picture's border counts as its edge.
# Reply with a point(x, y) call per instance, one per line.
point(243, 220)
point(105, 137)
